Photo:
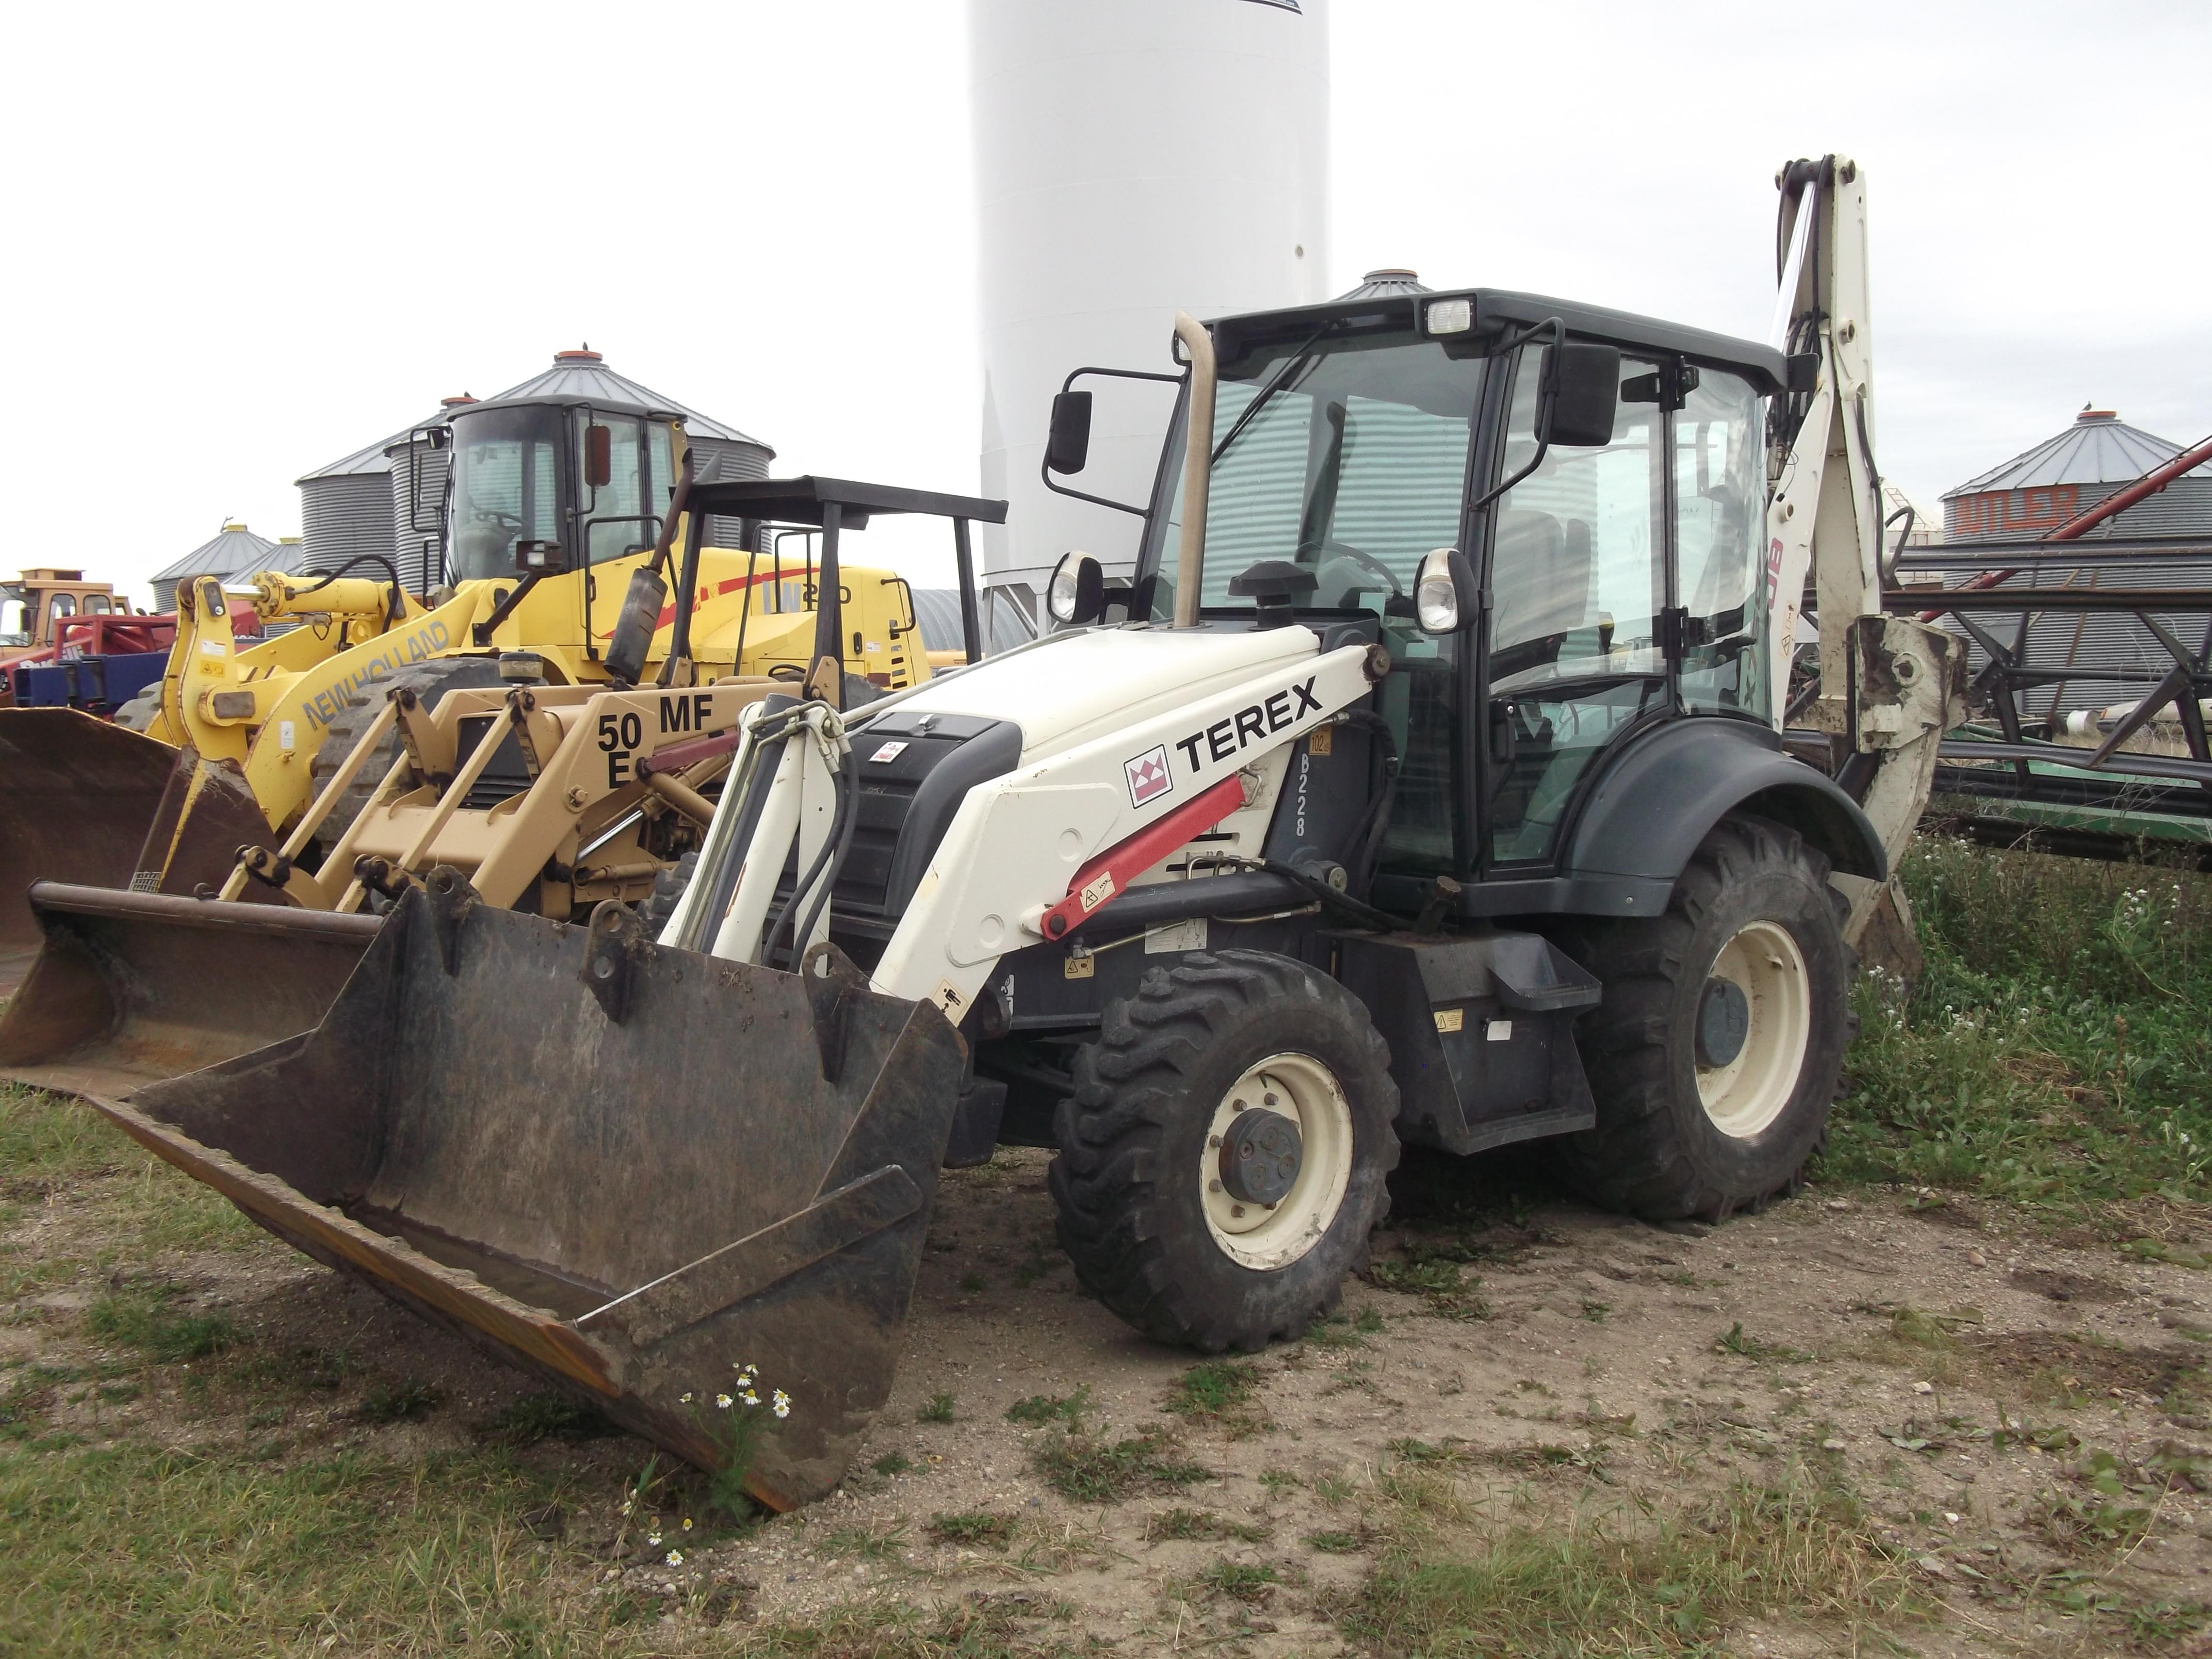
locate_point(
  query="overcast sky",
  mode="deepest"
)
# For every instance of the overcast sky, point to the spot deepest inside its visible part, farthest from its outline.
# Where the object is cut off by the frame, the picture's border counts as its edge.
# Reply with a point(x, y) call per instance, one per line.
point(244, 242)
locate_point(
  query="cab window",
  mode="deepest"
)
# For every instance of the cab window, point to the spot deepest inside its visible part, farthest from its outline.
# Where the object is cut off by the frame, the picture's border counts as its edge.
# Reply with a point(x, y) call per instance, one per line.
point(1579, 580)
point(1720, 501)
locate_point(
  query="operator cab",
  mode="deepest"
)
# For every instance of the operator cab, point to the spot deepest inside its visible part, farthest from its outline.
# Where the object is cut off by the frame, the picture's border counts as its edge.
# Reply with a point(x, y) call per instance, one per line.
point(553, 485)
point(1588, 489)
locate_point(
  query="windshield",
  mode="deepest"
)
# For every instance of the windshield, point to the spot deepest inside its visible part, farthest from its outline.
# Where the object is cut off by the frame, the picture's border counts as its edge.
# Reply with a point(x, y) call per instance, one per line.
point(1352, 466)
point(506, 488)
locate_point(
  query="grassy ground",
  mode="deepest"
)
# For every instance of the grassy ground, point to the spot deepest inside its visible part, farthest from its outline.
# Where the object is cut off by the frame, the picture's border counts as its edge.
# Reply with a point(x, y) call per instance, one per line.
point(2053, 1061)
point(2056, 1052)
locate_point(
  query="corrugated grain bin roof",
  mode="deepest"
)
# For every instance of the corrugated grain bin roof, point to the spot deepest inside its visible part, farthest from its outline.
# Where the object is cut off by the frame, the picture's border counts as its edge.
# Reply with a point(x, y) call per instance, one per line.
point(583, 375)
point(2099, 448)
point(233, 549)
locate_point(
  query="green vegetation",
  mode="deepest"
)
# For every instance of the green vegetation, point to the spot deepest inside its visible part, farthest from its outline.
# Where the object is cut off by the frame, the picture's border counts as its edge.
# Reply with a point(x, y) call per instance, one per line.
point(1220, 1393)
point(1449, 1586)
point(938, 1410)
point(1092, 1471)
point(144, 1320)
point(2056, 1049)
point(976, 1528)
point(1040, 1408)
point(1201, 1525)
point(547, 1415)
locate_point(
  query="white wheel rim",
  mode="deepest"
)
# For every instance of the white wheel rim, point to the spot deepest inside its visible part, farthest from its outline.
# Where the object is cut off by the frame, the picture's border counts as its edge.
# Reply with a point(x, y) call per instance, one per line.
point(1744, 1097)
point(1265, 1237)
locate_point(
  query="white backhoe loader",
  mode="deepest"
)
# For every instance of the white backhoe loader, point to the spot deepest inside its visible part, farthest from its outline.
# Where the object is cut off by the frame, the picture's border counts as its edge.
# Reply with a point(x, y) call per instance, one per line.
point(1427, 783)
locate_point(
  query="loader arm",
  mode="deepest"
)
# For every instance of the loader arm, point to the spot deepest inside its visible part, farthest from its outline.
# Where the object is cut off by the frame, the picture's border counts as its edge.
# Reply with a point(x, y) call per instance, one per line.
point(229, 708)
point(1888, 687)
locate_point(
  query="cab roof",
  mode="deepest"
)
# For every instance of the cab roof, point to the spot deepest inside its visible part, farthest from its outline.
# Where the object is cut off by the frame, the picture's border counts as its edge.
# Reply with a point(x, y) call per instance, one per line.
point(1496, 310)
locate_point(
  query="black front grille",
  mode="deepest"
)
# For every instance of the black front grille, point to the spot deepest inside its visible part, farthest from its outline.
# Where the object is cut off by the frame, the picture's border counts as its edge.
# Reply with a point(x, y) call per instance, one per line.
point(505, 776)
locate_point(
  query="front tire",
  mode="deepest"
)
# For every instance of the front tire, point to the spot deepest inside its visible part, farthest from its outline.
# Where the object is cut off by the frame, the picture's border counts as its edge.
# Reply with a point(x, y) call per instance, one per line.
point(1719, 1045)
point(1223, 1159)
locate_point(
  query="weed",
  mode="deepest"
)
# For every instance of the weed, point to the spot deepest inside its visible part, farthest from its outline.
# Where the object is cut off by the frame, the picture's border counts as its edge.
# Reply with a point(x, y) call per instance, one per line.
point(2052, 1052)
point(977, 1528)
point(1334, 1331)
point(1331, 1489)
point(1733, 1340)
point(1279, 1481)
point(144, 1319)
point(1448, 1289)
point(971, 1283)
point(547, 1415)
point(1091, 1471)
point(1369, 1320)
point(1220, 1392)
point(1245, 1583)
point(1201, 1525)
point(1409, 1451)
point(891, 1463)
point(1335, 1543)
point(1041, 1408)
point(1802, 1547)
point(939, 1410)
point(884, 1543)
point(407, 1400)
point(1595, 1311)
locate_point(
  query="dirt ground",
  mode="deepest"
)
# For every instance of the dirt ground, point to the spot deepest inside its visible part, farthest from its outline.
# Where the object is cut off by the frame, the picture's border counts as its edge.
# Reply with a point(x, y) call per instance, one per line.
point(1957, 1369)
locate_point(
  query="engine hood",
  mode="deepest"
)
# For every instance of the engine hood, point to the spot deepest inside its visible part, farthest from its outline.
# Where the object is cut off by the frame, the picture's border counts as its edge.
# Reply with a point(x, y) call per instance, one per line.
point(1083, 686)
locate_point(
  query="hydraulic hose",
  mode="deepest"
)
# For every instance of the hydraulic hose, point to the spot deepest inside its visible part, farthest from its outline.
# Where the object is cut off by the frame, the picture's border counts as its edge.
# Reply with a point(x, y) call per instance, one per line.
point(848, 817)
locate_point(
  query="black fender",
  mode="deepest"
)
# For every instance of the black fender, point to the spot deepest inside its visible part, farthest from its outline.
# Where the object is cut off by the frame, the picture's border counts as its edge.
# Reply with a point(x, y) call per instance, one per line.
point(1659, 797)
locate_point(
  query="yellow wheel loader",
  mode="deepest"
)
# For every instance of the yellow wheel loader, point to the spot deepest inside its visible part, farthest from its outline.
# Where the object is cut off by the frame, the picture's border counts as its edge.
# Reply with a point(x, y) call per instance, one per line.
point(1428, 783)
point(552, 508)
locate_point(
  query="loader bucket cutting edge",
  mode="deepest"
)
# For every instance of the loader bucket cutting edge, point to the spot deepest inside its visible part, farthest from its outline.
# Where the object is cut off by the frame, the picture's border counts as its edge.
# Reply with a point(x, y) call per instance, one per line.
point(82, 797)
point(738, 1171)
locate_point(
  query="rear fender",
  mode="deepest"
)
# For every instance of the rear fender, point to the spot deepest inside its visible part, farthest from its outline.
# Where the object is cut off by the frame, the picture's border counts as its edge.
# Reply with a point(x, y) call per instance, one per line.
point(1661, 797)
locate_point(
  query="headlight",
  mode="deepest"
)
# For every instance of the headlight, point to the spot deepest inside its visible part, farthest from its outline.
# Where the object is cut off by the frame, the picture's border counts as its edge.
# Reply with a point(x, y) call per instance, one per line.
point(1435, 595)
point(1064, 598)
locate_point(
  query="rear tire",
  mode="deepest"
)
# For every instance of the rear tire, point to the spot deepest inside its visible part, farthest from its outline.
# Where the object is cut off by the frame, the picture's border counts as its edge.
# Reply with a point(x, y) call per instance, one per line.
point(1220, 1039)
point(429, 682)
point(139, 712)
point(1684, 1130)
point(657, 906)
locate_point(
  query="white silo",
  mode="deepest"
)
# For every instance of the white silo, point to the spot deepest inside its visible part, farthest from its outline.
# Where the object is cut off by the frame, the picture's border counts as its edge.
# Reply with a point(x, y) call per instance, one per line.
point(1131, 160)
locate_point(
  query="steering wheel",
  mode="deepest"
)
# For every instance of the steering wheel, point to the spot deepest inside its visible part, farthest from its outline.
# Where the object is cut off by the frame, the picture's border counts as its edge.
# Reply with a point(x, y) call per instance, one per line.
point(1365, 562)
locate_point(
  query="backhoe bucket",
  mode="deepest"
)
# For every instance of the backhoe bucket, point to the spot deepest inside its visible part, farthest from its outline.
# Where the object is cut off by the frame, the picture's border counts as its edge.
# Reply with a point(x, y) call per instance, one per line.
point(633, 1170)
point(88, 802)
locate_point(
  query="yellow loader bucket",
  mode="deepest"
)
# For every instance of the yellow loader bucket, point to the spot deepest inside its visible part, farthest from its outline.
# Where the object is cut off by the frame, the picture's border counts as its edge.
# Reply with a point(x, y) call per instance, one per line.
point(88, 802)
point(634, 1169)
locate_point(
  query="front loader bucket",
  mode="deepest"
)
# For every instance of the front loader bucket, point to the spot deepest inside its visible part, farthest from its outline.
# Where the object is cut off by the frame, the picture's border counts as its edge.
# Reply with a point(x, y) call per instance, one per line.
point(134, 987)
point(85, 801)
point(633, 1189)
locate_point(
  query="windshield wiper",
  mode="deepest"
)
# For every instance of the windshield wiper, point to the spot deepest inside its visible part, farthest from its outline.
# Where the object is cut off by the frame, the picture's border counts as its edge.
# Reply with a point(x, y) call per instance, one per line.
point(1299, 361)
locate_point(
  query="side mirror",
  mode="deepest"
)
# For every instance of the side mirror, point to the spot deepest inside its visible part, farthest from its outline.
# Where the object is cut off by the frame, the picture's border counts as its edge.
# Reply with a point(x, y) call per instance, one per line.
point(598, 456)
point(1585, 381)
point(1444, 596)
point(1067, 446)
point(1077, 595)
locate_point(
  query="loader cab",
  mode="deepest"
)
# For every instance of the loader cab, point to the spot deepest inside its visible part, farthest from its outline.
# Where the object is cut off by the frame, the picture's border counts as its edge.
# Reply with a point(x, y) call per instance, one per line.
point(551, 486)
point(1613, 570)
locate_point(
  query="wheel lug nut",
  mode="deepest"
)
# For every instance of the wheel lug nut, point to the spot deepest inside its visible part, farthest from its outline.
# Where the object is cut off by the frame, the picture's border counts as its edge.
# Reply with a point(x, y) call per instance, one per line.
point(1237, 1211)
point(1213, 1186)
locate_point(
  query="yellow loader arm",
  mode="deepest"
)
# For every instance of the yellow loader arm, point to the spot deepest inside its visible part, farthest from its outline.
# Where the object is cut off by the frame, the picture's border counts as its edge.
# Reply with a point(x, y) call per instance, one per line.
point(269, 722)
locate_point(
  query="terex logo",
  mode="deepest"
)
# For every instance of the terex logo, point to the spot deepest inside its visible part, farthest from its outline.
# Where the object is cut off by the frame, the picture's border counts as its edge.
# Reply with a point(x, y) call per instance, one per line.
point(1259, 719)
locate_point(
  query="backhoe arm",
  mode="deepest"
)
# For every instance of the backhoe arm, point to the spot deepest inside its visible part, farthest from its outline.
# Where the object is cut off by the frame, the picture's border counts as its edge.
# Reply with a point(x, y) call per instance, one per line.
point(1888, 687)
